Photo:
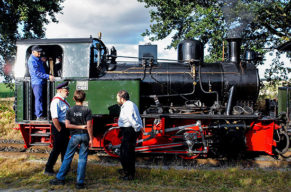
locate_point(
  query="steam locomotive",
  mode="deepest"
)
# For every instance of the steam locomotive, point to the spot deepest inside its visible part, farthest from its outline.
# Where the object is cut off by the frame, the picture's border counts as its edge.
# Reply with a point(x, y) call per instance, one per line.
point(189, 108)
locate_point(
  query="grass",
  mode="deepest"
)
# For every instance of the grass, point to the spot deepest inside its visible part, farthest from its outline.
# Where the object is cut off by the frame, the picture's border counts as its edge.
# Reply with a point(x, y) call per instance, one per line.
point(7, 120)
point(24, 173)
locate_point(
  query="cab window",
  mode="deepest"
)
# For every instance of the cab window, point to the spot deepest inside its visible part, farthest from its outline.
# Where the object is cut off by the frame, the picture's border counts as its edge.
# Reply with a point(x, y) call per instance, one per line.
point(52, 58)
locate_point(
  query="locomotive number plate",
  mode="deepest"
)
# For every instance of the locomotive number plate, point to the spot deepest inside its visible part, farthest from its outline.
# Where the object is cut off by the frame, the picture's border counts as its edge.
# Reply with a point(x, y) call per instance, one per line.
point(82, 85)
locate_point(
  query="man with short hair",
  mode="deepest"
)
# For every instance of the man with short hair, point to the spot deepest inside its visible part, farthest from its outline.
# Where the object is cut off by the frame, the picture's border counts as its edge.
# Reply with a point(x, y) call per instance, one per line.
point(38, 78)
point(130, 124)
point(79, 121)
point(58, 108)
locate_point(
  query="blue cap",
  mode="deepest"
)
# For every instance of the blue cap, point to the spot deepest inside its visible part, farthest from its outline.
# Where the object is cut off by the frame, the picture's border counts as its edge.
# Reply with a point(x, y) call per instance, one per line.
point(36, 48)
point(63, 85)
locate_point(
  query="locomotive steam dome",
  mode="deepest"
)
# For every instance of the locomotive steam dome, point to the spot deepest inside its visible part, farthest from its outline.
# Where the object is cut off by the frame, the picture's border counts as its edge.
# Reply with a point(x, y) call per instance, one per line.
point(190, 49)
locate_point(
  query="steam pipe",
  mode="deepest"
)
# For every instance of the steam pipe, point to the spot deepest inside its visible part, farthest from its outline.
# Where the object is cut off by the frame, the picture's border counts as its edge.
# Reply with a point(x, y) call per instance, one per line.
point(174, 95)
point(167, 95)
point(228, 107)
point(200, 83)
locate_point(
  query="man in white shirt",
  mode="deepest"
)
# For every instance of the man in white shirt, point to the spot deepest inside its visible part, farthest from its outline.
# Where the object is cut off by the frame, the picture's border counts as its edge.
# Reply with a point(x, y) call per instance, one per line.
point(58, 108)
point(130, 125)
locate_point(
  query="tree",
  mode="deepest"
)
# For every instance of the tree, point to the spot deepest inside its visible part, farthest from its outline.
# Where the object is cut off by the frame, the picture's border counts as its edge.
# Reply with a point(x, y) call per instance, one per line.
point(261, 23)
point(21, 19)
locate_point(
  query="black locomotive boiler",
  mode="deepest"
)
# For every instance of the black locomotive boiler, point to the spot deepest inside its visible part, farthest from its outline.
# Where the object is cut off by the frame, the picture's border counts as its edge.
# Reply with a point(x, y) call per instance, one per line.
point(191, 85)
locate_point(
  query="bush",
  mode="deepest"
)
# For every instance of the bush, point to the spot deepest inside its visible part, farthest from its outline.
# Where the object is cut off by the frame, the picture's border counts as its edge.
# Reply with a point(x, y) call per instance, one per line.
point(6, 91)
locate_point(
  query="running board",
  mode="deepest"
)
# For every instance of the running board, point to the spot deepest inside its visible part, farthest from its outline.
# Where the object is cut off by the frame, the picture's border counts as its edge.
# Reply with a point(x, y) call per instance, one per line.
point(178, 152)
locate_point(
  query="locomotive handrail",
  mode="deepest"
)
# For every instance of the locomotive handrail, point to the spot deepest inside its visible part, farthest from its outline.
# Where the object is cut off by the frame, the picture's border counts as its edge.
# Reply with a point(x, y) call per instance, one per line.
point(160, 72)
point(201, 116)
point(174, 60)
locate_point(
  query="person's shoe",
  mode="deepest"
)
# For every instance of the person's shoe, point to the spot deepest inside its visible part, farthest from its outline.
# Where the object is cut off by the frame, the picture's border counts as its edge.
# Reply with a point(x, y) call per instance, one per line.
point(80, 186)
point(49, 172)
point(127, 178)
point(121, 171)
point(57, 182)
point(40, 118)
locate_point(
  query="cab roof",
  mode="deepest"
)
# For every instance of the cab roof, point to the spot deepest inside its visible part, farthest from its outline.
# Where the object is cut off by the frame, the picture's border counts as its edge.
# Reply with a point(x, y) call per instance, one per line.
point(53, 41)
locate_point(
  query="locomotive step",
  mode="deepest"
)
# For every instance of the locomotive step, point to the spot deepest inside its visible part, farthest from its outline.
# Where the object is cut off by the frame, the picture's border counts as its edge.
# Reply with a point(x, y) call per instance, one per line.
point(40, 134)
point(39, 144)
point(39, 122)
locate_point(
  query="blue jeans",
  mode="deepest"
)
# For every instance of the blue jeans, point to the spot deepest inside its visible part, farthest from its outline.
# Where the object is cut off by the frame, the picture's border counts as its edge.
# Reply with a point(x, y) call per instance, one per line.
point(83, 140)
point(37, 91)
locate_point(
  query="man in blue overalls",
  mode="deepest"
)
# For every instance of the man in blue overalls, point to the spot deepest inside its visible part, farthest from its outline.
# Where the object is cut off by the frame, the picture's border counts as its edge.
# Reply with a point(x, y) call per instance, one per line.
point(38, 78)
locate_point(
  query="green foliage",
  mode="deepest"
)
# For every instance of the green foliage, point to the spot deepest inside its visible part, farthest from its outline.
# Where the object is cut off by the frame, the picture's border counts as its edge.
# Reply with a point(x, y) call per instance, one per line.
point(261, 23)
point(23, 19)
point(269, 89)
point(6, 91)
point(277, 71)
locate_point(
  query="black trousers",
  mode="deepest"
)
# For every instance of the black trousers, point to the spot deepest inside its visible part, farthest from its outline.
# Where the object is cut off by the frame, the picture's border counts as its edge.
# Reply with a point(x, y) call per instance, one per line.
point(127, 150)
point(60, 143)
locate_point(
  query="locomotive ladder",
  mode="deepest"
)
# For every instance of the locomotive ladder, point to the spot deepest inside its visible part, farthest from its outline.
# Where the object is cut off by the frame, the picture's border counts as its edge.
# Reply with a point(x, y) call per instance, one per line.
point(36, 134)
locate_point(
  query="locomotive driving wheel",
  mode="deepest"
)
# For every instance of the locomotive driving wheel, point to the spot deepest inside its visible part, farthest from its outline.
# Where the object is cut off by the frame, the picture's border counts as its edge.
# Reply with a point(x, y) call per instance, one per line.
point(111, 142)
point(282, 141)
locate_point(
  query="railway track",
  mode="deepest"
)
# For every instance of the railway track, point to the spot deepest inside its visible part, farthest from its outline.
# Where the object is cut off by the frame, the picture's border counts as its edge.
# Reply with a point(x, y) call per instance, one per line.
point(12, 148)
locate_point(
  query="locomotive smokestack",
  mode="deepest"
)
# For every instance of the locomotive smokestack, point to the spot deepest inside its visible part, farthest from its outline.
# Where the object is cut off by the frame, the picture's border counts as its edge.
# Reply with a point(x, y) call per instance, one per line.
point(234, 50)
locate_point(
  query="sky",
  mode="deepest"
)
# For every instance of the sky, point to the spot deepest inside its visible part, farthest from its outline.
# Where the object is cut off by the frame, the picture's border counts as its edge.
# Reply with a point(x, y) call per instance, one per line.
point(121, 23)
